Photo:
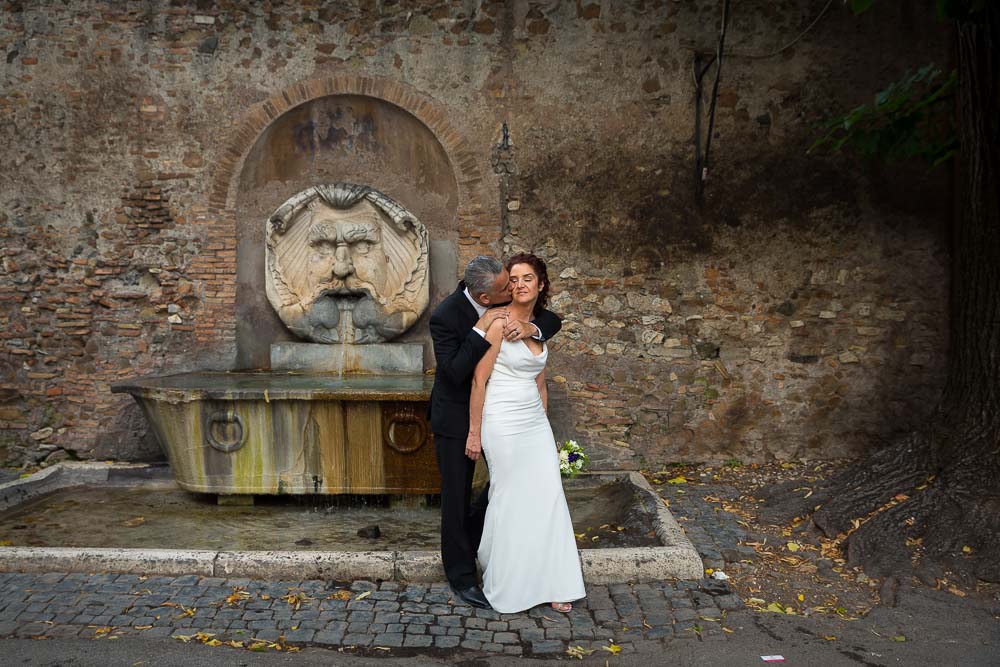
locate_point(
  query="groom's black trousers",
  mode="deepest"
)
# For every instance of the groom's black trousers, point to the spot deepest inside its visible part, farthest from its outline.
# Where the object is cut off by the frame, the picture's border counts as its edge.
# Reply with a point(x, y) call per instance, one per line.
point(461, 519)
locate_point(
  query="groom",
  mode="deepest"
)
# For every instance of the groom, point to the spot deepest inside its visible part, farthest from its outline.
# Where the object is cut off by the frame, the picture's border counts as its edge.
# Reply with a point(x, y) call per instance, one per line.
point(458, 327)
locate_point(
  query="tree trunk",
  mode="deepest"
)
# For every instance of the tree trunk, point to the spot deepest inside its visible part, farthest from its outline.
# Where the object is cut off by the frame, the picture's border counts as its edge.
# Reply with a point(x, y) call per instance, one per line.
point(930, 503)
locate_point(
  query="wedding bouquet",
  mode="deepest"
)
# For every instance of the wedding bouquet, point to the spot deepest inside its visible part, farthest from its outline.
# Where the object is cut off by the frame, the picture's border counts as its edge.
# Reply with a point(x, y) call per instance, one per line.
point(572, 459)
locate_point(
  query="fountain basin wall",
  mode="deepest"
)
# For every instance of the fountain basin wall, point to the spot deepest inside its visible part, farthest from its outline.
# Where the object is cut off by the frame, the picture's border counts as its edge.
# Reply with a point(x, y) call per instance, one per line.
point(667, 555)
point(269, 433)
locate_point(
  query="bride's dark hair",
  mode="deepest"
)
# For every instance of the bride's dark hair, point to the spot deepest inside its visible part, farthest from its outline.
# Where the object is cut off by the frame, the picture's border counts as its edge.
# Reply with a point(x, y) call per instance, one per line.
point(541, 273)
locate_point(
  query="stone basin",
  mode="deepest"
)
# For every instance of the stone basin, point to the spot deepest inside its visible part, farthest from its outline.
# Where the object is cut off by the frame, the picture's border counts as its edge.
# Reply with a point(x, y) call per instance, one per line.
point(292, 433)
point(206, 539)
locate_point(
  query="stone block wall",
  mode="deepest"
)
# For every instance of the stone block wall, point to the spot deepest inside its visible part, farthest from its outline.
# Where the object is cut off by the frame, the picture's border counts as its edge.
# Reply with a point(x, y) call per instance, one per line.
point(799, 312)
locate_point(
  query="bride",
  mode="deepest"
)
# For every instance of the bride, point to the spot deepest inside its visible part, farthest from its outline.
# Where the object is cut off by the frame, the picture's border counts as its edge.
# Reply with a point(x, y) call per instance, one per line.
point(528, 550)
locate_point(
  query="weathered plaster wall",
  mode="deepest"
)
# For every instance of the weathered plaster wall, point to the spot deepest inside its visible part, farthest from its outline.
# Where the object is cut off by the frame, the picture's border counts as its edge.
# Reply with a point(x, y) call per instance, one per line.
point(800, 312)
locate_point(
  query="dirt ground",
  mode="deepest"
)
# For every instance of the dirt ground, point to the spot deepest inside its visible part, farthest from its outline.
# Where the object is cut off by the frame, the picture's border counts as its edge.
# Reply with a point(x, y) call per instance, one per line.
point(796, 570)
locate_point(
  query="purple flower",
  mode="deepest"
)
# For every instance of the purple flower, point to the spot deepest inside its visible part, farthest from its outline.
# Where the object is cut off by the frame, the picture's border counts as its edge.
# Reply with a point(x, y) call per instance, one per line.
point(573, 457)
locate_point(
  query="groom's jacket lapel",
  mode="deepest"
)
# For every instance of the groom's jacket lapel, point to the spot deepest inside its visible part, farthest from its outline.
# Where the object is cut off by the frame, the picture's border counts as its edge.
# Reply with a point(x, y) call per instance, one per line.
point(457, 350)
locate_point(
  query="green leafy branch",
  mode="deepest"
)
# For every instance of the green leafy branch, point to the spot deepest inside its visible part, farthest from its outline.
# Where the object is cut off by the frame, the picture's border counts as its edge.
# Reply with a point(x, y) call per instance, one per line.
point(912, 117)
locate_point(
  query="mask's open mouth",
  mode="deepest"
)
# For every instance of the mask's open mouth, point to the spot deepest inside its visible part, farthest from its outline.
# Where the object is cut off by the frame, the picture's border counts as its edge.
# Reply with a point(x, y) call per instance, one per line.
point(345, 297)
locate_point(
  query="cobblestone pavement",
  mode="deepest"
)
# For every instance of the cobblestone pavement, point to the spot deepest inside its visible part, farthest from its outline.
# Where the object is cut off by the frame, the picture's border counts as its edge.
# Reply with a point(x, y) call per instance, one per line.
point(391, 615)
point(715, 533)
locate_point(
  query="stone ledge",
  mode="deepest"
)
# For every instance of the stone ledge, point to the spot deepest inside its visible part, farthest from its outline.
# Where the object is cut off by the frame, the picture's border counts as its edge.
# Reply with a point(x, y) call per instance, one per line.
point(676, 559)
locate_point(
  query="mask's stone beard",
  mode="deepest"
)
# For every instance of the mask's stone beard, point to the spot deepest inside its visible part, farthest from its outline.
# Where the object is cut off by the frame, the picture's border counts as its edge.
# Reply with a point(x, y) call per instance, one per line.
point(331, 313)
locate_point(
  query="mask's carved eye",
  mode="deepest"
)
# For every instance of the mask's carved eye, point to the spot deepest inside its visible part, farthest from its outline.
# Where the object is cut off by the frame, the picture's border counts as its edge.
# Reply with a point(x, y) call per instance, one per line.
point(322, 248)
point(362, 247)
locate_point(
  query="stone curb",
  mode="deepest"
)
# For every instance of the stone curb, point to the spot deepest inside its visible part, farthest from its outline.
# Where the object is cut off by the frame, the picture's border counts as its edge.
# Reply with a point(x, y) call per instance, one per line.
point(679, 560)
point(600, 566)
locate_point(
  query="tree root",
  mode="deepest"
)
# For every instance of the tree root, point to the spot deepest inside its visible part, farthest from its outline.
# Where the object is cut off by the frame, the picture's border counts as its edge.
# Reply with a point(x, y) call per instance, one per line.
point(927, 505)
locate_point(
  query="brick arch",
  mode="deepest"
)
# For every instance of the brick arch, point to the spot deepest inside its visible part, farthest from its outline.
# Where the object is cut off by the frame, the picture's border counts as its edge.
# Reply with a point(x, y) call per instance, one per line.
point(215, 266)
point(427, 110)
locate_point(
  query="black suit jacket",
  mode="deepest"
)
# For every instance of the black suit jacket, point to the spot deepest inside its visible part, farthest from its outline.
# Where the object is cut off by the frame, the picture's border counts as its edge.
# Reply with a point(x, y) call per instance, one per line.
point(457, 350)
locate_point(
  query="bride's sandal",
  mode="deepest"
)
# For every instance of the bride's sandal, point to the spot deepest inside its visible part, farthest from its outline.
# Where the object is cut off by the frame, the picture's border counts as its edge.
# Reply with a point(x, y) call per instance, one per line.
point(564, 607)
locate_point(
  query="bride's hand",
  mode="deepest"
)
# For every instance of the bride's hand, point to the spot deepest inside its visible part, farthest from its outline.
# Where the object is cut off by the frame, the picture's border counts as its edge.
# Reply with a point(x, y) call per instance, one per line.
point(473, 447)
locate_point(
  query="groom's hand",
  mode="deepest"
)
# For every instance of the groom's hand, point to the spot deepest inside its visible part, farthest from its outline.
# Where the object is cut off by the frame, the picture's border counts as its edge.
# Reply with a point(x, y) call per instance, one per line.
point(490, 316)
point(517, 330)
point(473, 447)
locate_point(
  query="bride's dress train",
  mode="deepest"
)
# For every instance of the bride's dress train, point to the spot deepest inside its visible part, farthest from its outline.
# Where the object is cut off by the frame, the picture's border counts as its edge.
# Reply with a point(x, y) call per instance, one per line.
point(528, 550)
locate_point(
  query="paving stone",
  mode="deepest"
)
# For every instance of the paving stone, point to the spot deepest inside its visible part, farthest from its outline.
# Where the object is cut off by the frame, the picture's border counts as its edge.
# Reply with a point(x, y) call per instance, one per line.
point(424, 619)
point(685, 614)
point(443, 598)
point(186, 580)
point(444, 641)
point(260, 625)
point(505, 637)
point(418, 640)
point(357, 639)
point(361, 605)
point(64, 631)
point(361, 617)
point(300, 635)
point(488, 614)
point(449, 621)
point(391, 639)
point(532, 634)
point(557, 633)
point(547, 646)
point(606, 615)
point(471, 644)
point(479, 635)
point(257, 615)
point(333, 637)
point(497, 626)
point(361, 586)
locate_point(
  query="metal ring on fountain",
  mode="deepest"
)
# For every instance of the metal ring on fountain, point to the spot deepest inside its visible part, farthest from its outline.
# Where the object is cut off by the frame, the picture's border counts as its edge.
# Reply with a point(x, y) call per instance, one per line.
point(225, 417)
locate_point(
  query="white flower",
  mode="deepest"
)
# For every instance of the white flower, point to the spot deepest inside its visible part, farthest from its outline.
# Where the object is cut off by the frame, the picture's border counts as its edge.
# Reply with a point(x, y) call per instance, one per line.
point(563, 455)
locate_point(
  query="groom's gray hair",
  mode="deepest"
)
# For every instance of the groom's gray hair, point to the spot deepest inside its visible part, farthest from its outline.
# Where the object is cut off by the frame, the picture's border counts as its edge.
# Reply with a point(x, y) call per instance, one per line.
point(481, 273)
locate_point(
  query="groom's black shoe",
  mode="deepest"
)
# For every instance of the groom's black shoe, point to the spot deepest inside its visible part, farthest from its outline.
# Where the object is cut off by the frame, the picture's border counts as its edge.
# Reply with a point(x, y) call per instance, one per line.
point(473, 595)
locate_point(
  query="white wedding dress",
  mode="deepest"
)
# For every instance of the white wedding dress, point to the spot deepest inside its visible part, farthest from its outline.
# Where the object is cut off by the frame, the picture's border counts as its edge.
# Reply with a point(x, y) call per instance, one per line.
point(528, 550)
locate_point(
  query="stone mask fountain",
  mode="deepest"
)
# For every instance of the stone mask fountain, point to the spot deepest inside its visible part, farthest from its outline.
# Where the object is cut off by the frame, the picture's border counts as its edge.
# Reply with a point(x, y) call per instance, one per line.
point(347, 270)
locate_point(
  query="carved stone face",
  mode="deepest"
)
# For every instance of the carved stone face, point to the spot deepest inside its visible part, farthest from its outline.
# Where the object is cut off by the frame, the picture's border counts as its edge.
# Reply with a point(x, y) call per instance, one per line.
point(346, 264)
point(346, 255)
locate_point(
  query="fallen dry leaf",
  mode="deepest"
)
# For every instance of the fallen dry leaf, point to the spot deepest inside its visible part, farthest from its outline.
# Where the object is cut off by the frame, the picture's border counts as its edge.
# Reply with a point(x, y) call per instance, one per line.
point(578, 652)
point(613, 649)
